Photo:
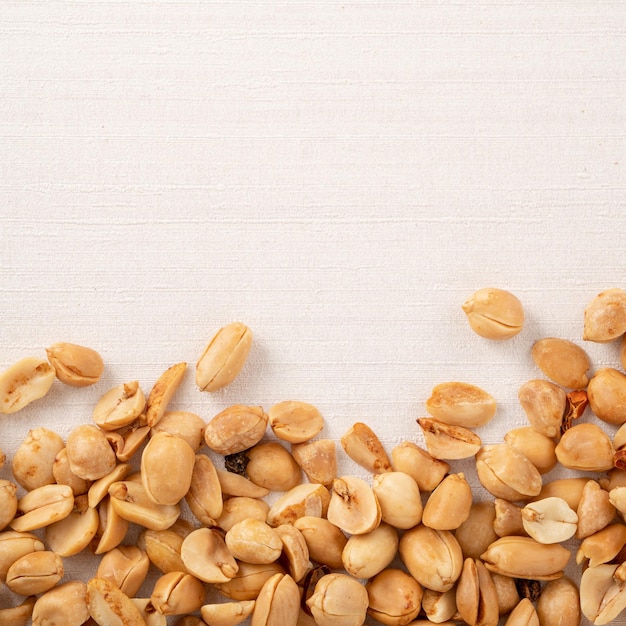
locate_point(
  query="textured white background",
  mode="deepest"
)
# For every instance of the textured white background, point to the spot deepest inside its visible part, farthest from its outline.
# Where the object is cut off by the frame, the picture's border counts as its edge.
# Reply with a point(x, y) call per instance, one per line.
point(339, 176)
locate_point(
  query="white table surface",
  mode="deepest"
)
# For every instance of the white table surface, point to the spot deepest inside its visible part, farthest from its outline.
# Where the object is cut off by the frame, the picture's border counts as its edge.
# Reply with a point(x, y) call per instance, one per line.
point(338, 176)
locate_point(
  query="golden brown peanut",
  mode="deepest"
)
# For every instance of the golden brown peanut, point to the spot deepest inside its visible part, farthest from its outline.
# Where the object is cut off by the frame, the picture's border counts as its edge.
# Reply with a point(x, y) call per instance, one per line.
point(148, 613)
point(34, 459)
point(14, 545)
point(126, 567)
point(272, 466)
point(506, 590)
point(109, 606)
point(444, 441)
point(64, 605)
point(535, 446)
point(363, 446)
point(399, 498)
point(224, 357)
point(232, 484)
point(494, 313)
point(100, 488)
point(308, 499)
point(549, 520)
point(8, 502)
point(187, 426)
point(318, 460)
point(570, 489)
point(43, 506)
point(476, 533)
point(161, 454)
point(605, 316)
point(461, 404)
point(253, 541)
point(75, 365)
point(544, 404)
point(324, 540)
point(476, 596)
point(207, 557)
point(394, 597)
point(162, 392)
point(615, 477)
point(508, 519)
point(449, 505)
point(426, 470)
point(204, 496)
point(523, 557)
point(239, 508)
point(28, 380)
point(75, 532)
point(559, 603)
point(338, 599)
point(35, 573)
point(295, 422)
point(235, 429)
point(602, 546)
point(111, 528)
point(177, 593)
point(506, 473)
point(562, 361)
point(433, 557)
point(523, 614)
point(227, 613)
point(20, 614)
point(295, 551)
point(247, 583)
point(368, 554)
point(278, 602)
point(602, 596)
point(585, 447)
point(127, 440)
point(163, 549)
point(353, 506)
point(89, 453)
point(439, 606)
point(607, 395)
point(120, 406)
point(594, 511)
point(63, 474)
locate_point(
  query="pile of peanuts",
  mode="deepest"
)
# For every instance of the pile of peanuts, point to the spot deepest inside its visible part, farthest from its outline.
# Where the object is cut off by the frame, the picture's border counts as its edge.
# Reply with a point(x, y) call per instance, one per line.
point(413, 545)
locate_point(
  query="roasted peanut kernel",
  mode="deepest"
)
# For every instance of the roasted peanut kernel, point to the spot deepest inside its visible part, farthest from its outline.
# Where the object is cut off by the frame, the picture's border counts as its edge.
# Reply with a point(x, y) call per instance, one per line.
point(508, 519)
point(338, 599)
point(461, 404)
point(476, 533)
point(570, 489)
point(239, 508)
point(89, 453)
point(368, 554)
point(235, 429)
point(308, 499)
point(448, 442)
point(126, 567)
point(148, 613)
point(75, 532)
point(605, 316)
point(559, 603)
point(14, 545)
point(523, 614)
point(494, 313)
point(272, 466)
point(187, 426)
point(63, 474)
point(64, 605)
point(318, 460)
point(43, 506)
point(20, 615)
point(399, 498)
point(278, 602)
point(506, 589)
point(562, 361)
point(28, 380)
point(353, 506)
point(163, 452)
point(585, 447)
point(536, 447)
point(544, 404)
point(247, 583)
point(602, 596)
point(433, 557)
point(476, 596)
point(394, 597)
point(108, 605)
point(235, 485)
point(523, 557)
point(449, 505)
point(325, 542)
point(35, 573)
point(177, 593)
point(295, 551)
point(549, 520)
point(207, 557)
point(607, 395)
point(163, 549)
point(75, 365)
point(506, 473)
point(224, 357)
point(594, 511)
point(295, 422)
point(602, 546)
point(120, 406)
point(34, 459)
point(253, 541)
point(162, 392)
point(227, 613)
point(204, 496)
point(111, 528)
point(8, 502)
point(363, 446)
point(439, 606)
point(426, 470)
point(100, 488)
